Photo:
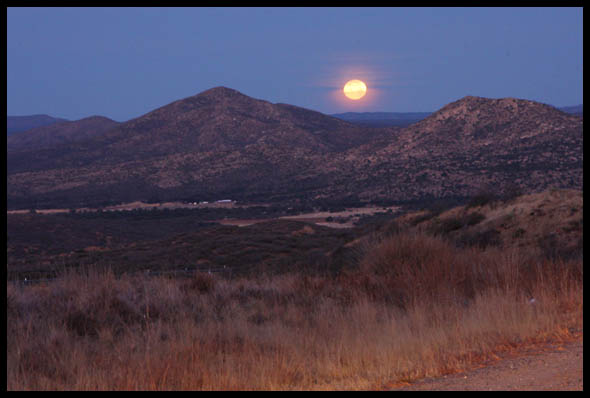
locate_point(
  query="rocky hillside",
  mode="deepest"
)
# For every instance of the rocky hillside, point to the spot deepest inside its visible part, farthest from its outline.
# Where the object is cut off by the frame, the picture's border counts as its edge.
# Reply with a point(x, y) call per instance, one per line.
point(472, 144)
point(223, 144)
point(216, 144)
point(481, 122)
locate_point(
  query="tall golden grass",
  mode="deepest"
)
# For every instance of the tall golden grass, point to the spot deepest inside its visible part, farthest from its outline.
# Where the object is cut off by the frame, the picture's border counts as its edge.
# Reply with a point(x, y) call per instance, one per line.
point(415, 306)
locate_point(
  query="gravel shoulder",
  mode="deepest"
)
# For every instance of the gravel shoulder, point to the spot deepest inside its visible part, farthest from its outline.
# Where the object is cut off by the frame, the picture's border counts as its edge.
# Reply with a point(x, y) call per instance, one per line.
point(553, 367)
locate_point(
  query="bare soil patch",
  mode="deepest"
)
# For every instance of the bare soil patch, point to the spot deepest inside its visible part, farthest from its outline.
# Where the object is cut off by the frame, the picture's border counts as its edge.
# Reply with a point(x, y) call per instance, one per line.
point(320, 217)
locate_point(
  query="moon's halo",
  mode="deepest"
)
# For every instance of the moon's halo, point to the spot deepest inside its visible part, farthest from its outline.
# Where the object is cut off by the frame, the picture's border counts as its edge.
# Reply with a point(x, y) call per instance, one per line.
point(355, 89)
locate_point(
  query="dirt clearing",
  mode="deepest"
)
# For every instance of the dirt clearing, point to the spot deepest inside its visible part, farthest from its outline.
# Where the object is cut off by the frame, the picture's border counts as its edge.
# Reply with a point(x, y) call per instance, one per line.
point(554, 367)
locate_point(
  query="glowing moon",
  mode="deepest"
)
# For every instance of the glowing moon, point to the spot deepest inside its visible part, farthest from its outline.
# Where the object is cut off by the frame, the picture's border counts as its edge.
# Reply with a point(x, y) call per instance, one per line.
point(355, 89)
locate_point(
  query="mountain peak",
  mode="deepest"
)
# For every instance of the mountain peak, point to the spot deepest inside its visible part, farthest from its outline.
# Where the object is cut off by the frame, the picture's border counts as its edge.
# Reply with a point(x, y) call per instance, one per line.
point(222, 143)
point(220, 90)
point(515, 104)
point(96, 118)
point(480, 121)
point(500, 109)
point(221, 93)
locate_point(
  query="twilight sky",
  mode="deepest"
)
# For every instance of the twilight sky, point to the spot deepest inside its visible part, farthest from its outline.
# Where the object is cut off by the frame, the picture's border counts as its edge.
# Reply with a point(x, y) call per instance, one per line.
point(124, 62)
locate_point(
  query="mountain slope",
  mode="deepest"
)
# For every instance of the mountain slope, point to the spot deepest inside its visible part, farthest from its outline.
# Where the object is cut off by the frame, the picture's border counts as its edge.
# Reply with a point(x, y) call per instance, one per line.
point(217, 143)
point(550, 221)
point(58, 134)
point(472, 144)
point(404, 119)
point(477, 121)
point(224, 144)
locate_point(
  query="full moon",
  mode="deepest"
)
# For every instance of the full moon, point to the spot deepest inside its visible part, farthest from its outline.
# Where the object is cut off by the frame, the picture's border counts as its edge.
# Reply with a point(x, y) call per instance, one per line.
point(355, 89)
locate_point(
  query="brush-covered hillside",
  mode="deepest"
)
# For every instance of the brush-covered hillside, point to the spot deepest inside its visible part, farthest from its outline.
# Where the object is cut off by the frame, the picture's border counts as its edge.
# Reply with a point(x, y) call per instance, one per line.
point(550, 222)
point(223, 144)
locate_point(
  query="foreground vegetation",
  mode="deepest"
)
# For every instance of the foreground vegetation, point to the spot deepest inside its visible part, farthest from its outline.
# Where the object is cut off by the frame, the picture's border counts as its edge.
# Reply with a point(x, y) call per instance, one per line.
point(412, 306)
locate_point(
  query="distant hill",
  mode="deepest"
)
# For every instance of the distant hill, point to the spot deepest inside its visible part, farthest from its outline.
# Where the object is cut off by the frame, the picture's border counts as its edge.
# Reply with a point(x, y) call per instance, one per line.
point(577, 109)
point(57, 134)
point(214, 145)
point(404, 119)
point(473, 143)
point(382, 119)
point(15, 124)
point(222, 144)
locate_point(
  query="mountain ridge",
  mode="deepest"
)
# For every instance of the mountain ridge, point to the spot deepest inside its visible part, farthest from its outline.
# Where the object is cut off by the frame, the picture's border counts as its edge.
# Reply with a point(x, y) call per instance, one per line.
point(221, 138)
point(17, 124)
point(483, 120)
point(58, 133)
point(222, 143)
point(404, 119)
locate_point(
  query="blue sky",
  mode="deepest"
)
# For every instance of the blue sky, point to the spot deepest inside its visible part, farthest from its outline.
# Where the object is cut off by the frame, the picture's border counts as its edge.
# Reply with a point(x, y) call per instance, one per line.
point(124, 62)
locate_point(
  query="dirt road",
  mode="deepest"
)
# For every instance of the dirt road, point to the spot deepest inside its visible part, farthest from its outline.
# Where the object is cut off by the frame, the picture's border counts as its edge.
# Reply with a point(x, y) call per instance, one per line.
point(555, 367)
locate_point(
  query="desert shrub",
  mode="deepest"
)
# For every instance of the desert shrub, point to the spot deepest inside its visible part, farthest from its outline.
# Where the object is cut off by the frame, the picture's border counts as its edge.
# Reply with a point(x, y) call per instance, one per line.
point(574, 225)
point(443, 227)
point(344, 257)
point(554, 249)
point(447, 225)
point(121, 310)
point(410, 268)
point(474, 218)
point(451, 224)
point(511, 191)
point(479, 239)
point(392, 228)
point(421, 218)
point(201, 282)
point(482, 198)
point(82, 324)
point(549, 246)
point(518, 233)
point(434, 209)
point(258, 318)
point(441, 206)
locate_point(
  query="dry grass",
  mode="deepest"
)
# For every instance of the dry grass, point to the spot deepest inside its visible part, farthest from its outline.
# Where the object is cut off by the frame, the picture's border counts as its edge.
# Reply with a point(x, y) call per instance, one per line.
point(548, 218)
point(414, 306)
